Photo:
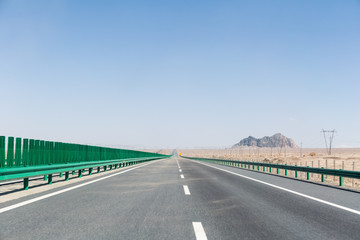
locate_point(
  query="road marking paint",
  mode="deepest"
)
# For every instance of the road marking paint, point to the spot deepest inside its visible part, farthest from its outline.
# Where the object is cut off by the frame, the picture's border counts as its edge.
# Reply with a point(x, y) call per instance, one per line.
point(180, 170)
point(5, 209)
point(287, 190)
point(177, 163)
point(186, 190)
point(181, 175)
point(199, 231)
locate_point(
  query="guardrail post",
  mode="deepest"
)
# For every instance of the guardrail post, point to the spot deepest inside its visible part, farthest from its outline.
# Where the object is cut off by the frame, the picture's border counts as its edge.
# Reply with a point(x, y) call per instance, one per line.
point(61, 174)
point(45, 177)
point(296, 172)
point(258, 167)
point(285, 171)
point(264, 168)
point(322, 176)
point(111, 166)
point(90, 171)
point(80, 173)
point(307, 175)
point(73, 173)
point(26, 183)
point(277, 170)
point(105, 169)
point(50, 179)
point(67, 176)
point(341, 180)
point(253, 167)
point(98, 169)
point(269, 169)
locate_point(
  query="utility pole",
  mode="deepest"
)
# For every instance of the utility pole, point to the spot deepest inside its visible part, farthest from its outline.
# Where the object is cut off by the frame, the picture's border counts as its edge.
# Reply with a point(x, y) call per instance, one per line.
point(331, 138)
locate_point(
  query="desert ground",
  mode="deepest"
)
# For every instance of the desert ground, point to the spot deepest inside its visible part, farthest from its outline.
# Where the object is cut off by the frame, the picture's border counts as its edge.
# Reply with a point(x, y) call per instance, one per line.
point(340, 158)
point(159, 151)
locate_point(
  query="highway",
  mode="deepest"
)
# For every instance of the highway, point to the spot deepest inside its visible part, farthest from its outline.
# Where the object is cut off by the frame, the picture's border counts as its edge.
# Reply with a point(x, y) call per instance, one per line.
point(182, 199)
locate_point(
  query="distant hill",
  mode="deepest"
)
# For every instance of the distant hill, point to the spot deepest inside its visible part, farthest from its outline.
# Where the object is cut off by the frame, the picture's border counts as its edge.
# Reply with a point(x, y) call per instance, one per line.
point(277, 140)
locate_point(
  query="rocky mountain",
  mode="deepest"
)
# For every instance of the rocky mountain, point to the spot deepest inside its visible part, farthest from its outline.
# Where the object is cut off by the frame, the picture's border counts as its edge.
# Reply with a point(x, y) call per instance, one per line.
point(277, 140)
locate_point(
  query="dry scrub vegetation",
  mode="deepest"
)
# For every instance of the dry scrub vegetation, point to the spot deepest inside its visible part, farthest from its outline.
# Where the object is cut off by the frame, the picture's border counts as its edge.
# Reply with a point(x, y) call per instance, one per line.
point(342, 158)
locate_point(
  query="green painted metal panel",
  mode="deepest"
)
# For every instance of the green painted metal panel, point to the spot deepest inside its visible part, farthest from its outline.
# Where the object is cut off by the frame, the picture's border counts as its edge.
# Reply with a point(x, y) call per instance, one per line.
point(32, 155)
point(2, 151)
point(10, 152)
point(25, 152)
point(30, 152)
point(18, 157)
point(37, 156)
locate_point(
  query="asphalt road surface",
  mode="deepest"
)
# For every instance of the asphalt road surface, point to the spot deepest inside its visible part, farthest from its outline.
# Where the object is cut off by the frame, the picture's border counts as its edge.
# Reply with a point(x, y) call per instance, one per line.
point(182, 199)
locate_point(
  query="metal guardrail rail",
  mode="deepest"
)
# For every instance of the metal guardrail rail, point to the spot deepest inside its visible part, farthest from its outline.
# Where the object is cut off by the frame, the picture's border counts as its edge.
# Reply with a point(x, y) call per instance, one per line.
point(25, 158)
point(251, 165)
point(49, 170)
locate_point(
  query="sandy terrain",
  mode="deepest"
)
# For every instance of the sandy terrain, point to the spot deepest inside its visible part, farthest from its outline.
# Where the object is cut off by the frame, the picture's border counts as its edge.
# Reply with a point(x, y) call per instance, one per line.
point(342, 158)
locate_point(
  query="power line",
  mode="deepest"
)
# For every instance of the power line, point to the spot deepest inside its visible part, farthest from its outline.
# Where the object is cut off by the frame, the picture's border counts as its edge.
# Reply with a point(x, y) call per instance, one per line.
point(331, 138)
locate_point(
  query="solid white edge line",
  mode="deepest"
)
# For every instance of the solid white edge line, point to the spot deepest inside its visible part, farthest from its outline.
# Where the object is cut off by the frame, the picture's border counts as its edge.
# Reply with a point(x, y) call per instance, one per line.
point(186, 190)
point(287, 190)
point(5, 209)
point(181, 175)
point(199, 231)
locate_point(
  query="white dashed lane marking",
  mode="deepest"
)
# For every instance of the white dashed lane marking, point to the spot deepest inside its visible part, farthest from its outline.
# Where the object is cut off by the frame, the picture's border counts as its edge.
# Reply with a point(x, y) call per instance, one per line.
point(186, 190)
point(199, 231)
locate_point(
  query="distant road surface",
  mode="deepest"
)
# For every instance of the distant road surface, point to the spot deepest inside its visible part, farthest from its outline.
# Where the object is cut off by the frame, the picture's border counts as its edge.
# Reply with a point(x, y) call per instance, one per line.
point(182, 199)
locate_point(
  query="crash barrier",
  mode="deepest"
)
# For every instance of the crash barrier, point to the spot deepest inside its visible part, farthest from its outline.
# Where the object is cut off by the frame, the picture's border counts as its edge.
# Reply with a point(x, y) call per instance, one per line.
point(25, 158)
point(270, 166)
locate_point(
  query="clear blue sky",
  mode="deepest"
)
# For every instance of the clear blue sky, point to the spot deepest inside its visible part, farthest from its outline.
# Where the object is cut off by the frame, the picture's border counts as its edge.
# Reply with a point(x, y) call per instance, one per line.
point(180, 73)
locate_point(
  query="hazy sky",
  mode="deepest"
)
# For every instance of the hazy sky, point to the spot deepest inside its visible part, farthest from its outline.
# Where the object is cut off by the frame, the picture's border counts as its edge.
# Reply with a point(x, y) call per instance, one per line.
point(179, 74)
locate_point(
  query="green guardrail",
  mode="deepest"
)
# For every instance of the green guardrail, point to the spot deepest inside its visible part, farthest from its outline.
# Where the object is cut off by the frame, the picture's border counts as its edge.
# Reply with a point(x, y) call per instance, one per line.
point(270, 166)
point(24, 158)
